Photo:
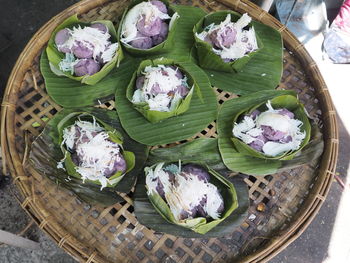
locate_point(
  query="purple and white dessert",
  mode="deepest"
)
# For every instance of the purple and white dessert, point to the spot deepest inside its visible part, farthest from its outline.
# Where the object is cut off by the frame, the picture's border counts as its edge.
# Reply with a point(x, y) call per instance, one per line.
point(87, 49)
point(272, 132)
point(161, 87)
point(96, 156)
point(229, 39)
point(186, 190)
point(146, 25)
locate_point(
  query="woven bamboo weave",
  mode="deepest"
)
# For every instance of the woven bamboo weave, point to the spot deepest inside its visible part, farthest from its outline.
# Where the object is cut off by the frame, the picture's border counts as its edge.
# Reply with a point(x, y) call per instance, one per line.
point(281, 205)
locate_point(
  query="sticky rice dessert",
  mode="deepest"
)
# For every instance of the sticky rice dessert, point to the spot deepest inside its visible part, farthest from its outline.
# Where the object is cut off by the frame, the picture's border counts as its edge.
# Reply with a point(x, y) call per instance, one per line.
point(95, 156)
point(230, 40)
point(146, 25)
point(161, 87)
point(87, 49)
point(186, 190)
point(272, 132)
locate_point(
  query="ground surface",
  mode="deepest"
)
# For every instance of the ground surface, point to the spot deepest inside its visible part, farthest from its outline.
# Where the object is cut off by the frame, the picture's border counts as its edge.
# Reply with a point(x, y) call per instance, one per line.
point(19, 21)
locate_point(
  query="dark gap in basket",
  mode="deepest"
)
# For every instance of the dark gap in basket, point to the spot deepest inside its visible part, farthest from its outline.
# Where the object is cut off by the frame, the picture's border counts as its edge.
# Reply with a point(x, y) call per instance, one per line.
point(262, 185)
point(189, 259)
point(197, 250)
point(160, 254)
point(19, 110)
point(103, 221)
point(256, 194)
point(180, 252)
point(265, 200)
point(221, 101)
point(28, 103)
point(149, 244)
point(108, 104)
point(252, 178)
point(131, 226)
point(113, 211)
point(36, 111)
point(130, 209)
point(207, 258)
point(121, 237)
point(53, 111)
point(204, 132)
point(188, 242)
point(18, 124)
point(36, 97)
point(27, 118)
point(268, 178)
point(227, 95)
point(121, 219)
point(169, 243)
point(210, 126)
point(215, 247)
point(131, 245)
point(219, 90)
point(183, 141)
point(140, 255)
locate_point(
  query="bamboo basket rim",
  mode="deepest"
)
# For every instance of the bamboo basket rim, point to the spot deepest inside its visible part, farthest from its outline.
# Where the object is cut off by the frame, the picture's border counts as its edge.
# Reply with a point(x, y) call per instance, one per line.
point(74, 247)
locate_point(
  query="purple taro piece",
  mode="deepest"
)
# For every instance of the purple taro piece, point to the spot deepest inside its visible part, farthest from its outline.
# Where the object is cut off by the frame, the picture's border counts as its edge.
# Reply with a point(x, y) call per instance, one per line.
point(286, 112)
point(82, 51)
point(286, 139)
point(139, 82)
point(141, 42)
point(178, 73)
point(257, 145)
point(185, 214)
point(182, 90)
point(157, 39)
point(254, 114)
point(61, 37)
point(103, 28)
point(86, 67)
point(151, 29)
point(160, 5)
point(225, 38)
point(196, 170)
point(200, 207)
point(117, 166)
point(157, 90)
point(208, 40)
point(271, 134)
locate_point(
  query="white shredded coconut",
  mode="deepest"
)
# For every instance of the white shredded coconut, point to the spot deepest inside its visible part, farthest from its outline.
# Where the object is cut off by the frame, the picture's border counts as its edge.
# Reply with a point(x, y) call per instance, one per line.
point(166, 78)
point(245, 39)
point(97, 154)
point(186, 193)
point(250, 128)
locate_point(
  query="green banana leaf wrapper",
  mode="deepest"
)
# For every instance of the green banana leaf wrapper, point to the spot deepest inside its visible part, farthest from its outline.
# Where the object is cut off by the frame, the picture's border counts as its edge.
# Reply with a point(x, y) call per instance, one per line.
point(206, 57)
point(163, 47)
point(46, 152)
point(55, 56)
point(114, 136)
point(199, 225)
point(240, 157)
point(289, 102)
point(156, 116)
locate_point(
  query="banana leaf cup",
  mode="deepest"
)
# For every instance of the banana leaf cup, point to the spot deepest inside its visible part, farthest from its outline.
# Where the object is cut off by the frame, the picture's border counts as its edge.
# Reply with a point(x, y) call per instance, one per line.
point(240, 157)
point(206, 57)
point(47, 153)
point(199, 226)
point(55, 56)
point(154, 116)
point(162, 47)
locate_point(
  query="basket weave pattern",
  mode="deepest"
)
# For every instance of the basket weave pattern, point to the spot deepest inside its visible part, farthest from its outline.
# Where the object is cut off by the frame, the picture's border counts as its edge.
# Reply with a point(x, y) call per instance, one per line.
point(282, 205)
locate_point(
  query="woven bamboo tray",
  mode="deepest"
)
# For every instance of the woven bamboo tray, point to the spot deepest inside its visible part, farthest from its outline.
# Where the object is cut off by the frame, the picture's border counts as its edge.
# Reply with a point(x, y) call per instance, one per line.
point(281, 205)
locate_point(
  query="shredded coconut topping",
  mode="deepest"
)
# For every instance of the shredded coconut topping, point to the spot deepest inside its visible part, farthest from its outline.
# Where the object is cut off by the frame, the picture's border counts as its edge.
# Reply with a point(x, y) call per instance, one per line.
point(245, 40)
point(166, 97)
point(135, 14)
point(285, 129)
point(97, 154)
point(185, 192)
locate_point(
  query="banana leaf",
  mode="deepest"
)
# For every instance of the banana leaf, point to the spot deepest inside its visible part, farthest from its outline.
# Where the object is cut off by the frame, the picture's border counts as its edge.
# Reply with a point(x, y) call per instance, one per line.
point(55, 56)
point(156, 116)
point(153, 212)
point(202, 111)
point(46, 153)
point(188, 151)
point(244, 161)
point(69, 93)
point(262, 72)
point(163, 47)
point(114, 136)
point(206, 56)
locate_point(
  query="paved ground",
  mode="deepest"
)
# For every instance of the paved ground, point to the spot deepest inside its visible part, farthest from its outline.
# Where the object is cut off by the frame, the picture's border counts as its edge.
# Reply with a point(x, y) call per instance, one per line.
point(19, 20)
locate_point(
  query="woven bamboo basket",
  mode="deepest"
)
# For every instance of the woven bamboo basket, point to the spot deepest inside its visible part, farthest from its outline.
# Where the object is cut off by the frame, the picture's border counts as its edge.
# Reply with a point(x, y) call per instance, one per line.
point(90, 234)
